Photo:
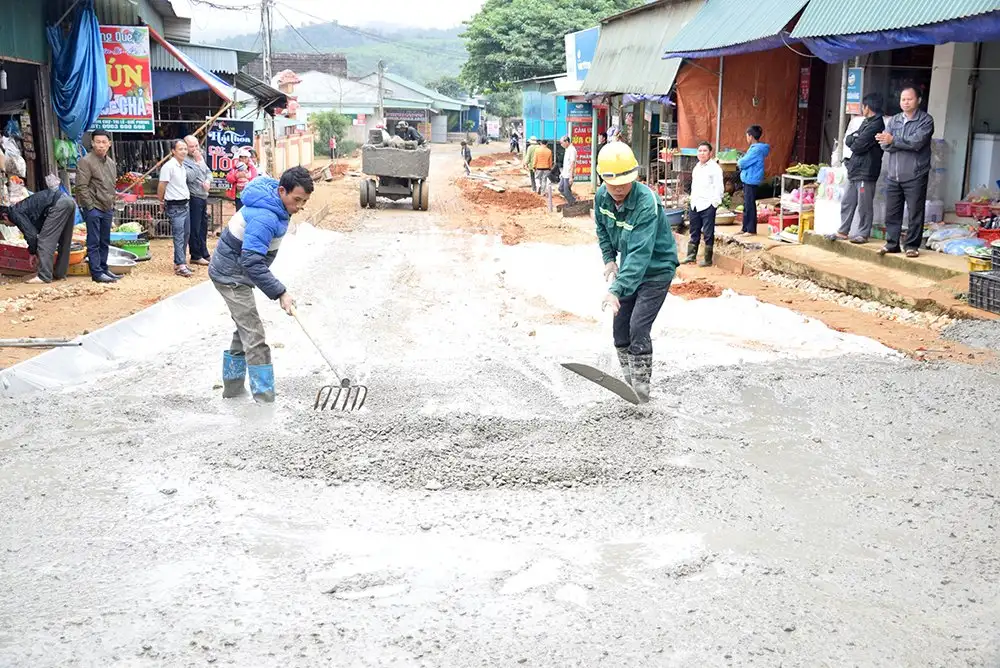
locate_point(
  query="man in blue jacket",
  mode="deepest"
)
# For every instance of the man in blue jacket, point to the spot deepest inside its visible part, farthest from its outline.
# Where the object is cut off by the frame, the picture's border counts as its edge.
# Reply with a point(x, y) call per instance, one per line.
point(752, 175)
point(241, 262)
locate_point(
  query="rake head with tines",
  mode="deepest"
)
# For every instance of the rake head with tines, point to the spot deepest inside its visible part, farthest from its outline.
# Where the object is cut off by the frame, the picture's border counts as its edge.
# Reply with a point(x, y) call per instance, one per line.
point(343, 397)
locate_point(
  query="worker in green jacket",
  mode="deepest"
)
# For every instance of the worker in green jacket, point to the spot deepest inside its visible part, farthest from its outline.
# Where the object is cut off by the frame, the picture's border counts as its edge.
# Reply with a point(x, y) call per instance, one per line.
point(529, 160)
point(640, 257)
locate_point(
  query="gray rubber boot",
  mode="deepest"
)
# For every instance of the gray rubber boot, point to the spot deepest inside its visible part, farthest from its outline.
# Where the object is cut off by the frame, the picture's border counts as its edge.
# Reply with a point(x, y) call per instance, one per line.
point(692, 253)
point(623, 359)
point(709, 252)
point(642, 370)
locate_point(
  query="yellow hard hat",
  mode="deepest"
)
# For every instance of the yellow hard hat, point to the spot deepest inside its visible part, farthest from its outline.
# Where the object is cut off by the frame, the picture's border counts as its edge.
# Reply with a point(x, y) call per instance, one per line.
point(616, 164)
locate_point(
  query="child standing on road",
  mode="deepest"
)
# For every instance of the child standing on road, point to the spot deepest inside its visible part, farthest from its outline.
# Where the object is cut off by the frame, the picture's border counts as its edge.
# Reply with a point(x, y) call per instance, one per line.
point(467, 157)
point(242, 262)
point(752, 175)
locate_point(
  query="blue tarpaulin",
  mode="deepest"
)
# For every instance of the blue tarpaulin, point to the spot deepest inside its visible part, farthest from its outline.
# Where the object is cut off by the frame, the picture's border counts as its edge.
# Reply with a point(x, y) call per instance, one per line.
point(171, 84)
point(838, 48)
point(762, 44)
point(79, 75)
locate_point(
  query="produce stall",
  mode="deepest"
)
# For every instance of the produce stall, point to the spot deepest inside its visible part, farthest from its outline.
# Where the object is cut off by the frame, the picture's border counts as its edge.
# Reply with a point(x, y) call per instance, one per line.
point(796, 209)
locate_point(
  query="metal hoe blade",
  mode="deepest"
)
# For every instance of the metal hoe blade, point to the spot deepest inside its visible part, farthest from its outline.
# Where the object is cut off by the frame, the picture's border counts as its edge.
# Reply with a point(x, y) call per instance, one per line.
point(343, 397)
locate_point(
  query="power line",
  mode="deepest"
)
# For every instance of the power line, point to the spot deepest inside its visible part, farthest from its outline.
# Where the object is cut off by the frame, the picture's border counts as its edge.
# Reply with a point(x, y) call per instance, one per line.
point(380, 38)
point(296, 31)
point(229, 8)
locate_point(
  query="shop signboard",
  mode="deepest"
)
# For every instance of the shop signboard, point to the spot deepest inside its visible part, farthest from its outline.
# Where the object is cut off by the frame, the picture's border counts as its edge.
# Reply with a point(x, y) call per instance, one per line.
point(583, 140)
point(225, 138)
point(360, 119)
point(855, 89)
point(493, 128)
point(580, 49)
point(579, 112)
point(415, 115)
point(126, 55)
point(805, 83)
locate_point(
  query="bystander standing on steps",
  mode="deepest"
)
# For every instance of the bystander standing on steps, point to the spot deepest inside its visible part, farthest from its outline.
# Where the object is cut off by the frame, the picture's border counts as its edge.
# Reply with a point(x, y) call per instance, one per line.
point(199, 181)
point(707, 188)
point(174, 196)
point(863, 169)
point(907, 140)
point(96, 175)
point(241, 262)
point(752, 175)
point(640, 255)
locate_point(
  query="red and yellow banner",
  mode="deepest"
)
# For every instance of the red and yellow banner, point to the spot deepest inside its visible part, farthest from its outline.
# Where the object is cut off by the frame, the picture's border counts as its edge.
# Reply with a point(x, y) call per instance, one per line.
point(126, 54)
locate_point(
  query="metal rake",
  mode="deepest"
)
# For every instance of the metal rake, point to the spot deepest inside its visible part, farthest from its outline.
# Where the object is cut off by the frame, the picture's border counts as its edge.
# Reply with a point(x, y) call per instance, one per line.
point(342, 397)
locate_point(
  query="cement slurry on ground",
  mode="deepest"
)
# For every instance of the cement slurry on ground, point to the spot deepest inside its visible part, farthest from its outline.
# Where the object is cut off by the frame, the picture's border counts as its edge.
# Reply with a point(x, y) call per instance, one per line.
point(795, 496)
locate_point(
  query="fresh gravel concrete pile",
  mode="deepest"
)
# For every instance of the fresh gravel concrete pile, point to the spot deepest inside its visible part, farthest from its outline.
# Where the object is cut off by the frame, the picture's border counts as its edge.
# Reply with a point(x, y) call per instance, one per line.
point(975, 333)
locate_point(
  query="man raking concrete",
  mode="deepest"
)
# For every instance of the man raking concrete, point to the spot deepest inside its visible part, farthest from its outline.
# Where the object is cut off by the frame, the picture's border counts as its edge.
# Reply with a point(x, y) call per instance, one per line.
point(632, 228)
point(241, 262)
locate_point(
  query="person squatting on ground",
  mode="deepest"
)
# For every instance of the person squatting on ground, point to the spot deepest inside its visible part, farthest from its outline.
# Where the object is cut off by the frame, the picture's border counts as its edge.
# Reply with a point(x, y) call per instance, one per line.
point(907, 140)
point(752, 175)
point(46, 221)
point(174, 196)
point(96, 174)
point(467, 158)
point(632, 224)
point(707, 187)
point(242, 261)
point(199, 180)
point(568, 170)
point(543, 166)
point(529, 160)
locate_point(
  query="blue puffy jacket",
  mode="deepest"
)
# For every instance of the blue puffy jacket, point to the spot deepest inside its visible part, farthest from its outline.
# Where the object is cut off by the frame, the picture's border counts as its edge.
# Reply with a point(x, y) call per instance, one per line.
point(250, 242)
point(752, 164)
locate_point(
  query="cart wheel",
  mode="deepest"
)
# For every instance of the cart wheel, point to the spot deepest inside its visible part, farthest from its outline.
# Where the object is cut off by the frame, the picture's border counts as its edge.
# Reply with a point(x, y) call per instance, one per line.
point(424, 195)
point(416, 190)
point(372, 193)
point(364, 194)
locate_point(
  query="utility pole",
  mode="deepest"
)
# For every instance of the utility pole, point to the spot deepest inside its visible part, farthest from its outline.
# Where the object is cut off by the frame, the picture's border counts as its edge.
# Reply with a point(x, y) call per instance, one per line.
point(381, 95)
point(269, 131)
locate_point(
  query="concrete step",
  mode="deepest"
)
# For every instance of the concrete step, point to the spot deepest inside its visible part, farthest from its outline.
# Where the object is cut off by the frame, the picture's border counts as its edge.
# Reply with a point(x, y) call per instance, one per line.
point(875, 281)
point(935, 266)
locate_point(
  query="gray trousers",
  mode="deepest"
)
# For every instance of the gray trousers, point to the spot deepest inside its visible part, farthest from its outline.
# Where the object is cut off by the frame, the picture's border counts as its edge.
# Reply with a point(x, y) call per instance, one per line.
point(860, 196)
point(531, 174)
point(56, 234)
point(566, 190)
point(542, 176)
point(249, 337)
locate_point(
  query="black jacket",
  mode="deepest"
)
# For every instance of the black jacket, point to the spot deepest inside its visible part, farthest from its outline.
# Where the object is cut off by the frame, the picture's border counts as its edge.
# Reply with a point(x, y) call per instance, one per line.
point(411, 134)
point(29, 214)
point(866, 162)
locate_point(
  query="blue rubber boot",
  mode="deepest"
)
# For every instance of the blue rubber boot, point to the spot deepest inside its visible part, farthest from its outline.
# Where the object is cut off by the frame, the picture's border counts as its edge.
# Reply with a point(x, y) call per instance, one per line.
point(262, 382)
point(234, 373)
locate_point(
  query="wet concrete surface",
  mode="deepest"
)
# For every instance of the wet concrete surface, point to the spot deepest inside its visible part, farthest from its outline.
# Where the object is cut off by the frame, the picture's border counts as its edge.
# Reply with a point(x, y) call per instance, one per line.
point(488, 509)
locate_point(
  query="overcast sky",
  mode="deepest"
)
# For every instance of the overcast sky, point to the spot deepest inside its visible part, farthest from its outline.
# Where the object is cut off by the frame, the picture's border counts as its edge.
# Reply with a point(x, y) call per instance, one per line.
point(208, 24)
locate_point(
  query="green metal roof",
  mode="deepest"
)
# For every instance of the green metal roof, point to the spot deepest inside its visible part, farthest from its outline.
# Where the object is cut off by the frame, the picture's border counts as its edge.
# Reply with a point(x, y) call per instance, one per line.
point(629, 55)
point(723, 23)
point(848, 17)
point(213, 58)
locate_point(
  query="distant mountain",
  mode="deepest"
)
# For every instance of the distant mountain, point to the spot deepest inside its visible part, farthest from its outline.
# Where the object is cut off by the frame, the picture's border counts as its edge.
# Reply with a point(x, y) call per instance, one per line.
point(419, 54)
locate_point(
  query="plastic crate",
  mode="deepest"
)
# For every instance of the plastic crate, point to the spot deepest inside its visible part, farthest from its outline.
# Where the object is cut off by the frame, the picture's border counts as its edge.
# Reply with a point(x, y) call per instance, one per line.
point(963, 209)
point(16, 260)
point(989, 236)
point(979, 264)
point(981, 211)
point(995, 250)
point(984, 291)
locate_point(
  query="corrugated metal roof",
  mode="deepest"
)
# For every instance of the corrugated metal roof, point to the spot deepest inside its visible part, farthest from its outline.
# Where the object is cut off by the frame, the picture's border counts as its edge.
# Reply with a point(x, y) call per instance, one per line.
point(630, 49)
point(848, 17)
point(439, 101)
point(212, 58)
point(723, 23)
point(268, 96)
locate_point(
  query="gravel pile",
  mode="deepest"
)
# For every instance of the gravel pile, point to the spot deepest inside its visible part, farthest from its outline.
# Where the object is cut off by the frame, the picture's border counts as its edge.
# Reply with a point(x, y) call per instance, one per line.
point(975, 333)
point(918, 318)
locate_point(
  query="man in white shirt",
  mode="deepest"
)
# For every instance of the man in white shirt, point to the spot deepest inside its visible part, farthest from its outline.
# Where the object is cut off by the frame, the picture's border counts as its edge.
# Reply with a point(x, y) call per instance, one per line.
point(174, 195)
point(568, 167)
point(706, 196)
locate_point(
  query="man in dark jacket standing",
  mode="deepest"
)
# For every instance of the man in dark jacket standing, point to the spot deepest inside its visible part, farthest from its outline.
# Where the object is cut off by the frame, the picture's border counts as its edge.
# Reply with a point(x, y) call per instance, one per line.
point(907, 140)
point(863, 169)
point(46, 221)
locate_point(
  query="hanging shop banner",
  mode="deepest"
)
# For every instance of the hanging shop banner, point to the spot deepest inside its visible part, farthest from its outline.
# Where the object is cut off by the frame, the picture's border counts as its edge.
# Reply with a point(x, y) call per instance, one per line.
point(855, 90)
point(225, 138)
point(805, 83)
point(417, 115)
point(583, 141)
point(126, 54)
point(579, 112)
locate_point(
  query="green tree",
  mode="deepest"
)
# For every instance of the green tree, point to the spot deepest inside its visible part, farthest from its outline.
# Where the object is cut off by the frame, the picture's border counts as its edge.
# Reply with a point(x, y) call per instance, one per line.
point(504, 103)
point(326, 124)
point(509, 40)
point(450, 86)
